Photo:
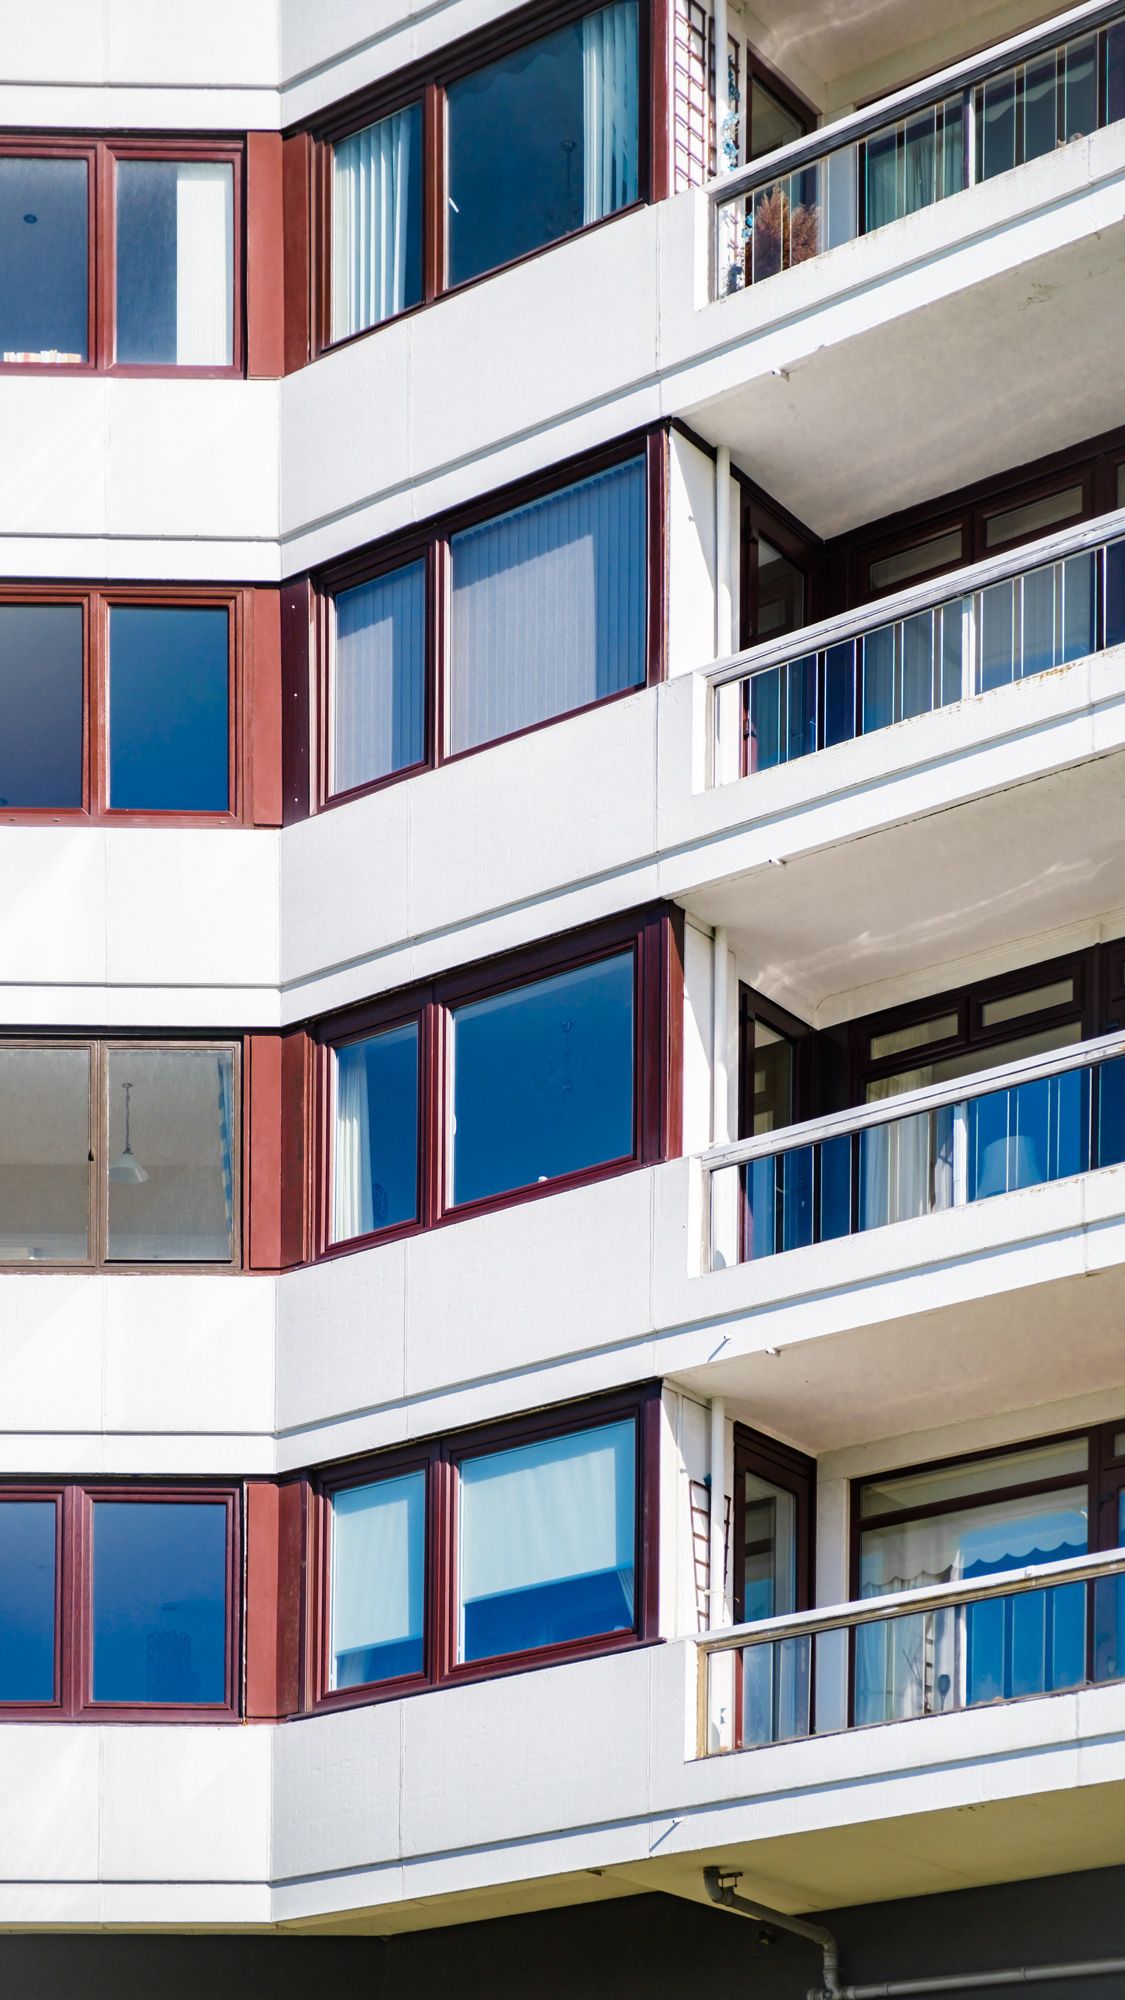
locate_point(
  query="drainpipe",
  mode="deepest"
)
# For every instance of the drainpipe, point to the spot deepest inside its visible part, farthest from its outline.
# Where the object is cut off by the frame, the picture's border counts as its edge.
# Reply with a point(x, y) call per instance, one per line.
point(716, 1601)
point(724, 595)
point(721, 1889)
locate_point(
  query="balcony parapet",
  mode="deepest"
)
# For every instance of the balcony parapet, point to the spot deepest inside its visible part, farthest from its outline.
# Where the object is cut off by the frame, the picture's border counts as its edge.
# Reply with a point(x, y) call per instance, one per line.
point(1010, 617)
point(919, 145)
point(1046, 1628)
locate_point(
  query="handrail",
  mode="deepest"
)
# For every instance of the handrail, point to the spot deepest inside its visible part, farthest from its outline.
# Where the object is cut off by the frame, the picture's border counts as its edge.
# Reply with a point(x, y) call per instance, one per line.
point(912, 97)
point(899, 604)
point(906, 1603)
point(931, 1097)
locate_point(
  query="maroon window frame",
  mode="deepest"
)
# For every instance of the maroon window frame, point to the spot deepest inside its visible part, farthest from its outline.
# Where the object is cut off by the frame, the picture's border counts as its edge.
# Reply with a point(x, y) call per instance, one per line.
point(74, 1571)
point(650, 934)
point(431, 545)
point(102, 154)
point(425, 83)
point(96, 603)
point(440, 1459)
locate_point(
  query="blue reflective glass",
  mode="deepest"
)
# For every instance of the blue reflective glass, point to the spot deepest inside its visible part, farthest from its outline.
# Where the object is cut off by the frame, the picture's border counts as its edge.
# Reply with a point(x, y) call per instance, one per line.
point(543, 1079)
point(1111, 1112)
point(759, 1183)
point(174, 260)
point(1115, 564)
point(765, 719)
point(375, 1135)
point(796, 1197)
point(43, 260)
point(839, 692)
point(800, 705)
point(40, 705)
point(1035, 1132)
point(27, 1600)
point(160, 1601)
point(878, 678)
point(168, 709)
point(378, 1581)
point(835, 1187)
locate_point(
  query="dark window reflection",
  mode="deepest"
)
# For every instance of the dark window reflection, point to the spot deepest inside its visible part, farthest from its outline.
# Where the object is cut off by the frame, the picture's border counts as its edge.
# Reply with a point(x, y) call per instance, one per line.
point(543, 1079)
point(375, 1137)
point(174, 259)
point(543, 141)
point(27, 1600)
point(168, 710)
point(159, 1601)
point(40, 705)
point(43, 260)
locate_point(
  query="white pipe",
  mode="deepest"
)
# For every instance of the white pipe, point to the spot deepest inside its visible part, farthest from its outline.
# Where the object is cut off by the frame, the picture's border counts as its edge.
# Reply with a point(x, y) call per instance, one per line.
point(716, 1601)
point(722, 89)
point(724, 594)
point(720, 1031)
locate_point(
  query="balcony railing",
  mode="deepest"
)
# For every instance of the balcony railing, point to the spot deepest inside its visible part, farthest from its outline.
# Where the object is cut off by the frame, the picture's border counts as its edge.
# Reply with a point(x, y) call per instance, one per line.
point(1006, 619)
point(973, 121)
point(1037, 1630)
point(1019, 1125)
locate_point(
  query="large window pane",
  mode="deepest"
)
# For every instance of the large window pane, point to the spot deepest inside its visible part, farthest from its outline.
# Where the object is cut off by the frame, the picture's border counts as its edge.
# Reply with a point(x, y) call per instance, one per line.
point(547, 1543)
point(175, 262)
point(159, 1601)
point(543, 141)
point(44, 1156)
point(377, 222)
point(378, 678)
point(375, 1136)
point(549, 607)
point(27, 1600)
point(172, 1148)
point(543, 1079)
point(169, 704)
point(43, 260)
point(40, 705)
point(378, 1551)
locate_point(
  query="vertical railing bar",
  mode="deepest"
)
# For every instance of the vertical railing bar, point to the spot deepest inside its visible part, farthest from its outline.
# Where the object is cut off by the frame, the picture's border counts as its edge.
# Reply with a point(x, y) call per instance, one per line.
point(961, 1154)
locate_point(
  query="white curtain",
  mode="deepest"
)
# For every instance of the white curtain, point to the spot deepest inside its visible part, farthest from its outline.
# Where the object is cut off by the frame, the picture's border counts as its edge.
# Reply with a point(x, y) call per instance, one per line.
point(907, 1164)
point(352, 1208)
point(378, 678)
point(545, 1512)
point(204, 263)
point(549, 607)
point(370, 222)
point(377, 1566)
point(610, 124)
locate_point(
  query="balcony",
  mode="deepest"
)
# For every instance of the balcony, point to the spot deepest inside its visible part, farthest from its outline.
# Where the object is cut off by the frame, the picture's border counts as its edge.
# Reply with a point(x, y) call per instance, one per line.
point(1047, 1628)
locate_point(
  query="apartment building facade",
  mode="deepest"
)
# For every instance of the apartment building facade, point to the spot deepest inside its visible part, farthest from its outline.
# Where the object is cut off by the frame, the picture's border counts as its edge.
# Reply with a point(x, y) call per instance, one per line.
point(562, 957)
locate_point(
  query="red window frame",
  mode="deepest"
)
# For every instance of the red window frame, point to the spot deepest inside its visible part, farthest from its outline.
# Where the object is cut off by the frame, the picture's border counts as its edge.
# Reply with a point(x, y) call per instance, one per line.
point(102, 154)
point(652, 934)
point(431, 544)
point(96, 603)
point(74, 1570)
point(425, 83)
point(439, 1459)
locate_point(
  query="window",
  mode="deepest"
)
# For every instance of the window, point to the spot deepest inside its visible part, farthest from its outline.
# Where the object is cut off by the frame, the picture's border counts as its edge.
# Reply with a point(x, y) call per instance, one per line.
point(531, 1541)
point(119, 1602)
point(120, 702)
point(773, 1070)
point(156, 222)
point(491, 624)
point(779, 572)
point(463, 170)
point(541, 1070)
point(1037, 1503)
point(778, 115)
point(119, 1153)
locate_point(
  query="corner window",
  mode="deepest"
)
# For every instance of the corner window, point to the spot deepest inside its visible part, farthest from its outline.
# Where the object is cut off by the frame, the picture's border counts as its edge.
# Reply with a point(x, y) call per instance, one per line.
point(539, 1071)
point(122, 702)
point(119, 1602)
point(490, 625)
point(521, 1544)
point(160, 221)
point(119, 1153)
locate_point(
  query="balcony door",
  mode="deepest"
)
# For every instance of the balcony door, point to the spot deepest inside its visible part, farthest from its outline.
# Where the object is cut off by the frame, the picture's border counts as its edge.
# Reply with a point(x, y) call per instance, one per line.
point(773, 1052)
point(774, 1488)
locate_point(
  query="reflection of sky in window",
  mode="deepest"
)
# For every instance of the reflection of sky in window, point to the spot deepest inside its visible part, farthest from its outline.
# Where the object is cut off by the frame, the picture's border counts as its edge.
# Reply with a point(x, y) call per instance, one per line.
point(40, 705)
point(168, 709)
point(27, 1600)
point(159, 1601)
point(543, 1079)
point(43, 256)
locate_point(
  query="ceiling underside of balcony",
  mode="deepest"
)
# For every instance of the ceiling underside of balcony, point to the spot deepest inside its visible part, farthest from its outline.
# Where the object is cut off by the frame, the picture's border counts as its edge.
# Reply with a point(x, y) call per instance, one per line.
point(973, 384)
point(845, 40)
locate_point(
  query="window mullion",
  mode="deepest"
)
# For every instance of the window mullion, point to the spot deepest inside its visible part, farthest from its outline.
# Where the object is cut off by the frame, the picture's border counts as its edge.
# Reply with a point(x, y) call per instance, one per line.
point(433, 191)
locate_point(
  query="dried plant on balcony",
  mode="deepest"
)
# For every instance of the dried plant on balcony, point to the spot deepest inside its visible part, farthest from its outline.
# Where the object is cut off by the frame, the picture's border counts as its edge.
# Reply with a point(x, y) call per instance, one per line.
point(780, 234)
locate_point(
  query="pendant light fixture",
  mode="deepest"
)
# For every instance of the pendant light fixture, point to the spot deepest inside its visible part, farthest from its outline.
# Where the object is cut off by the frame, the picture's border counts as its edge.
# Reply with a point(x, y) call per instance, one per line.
point(126, 1167)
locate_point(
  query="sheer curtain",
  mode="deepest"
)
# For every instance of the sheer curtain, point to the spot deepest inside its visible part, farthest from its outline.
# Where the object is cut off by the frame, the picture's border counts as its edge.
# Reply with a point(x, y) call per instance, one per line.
point(204, 263)
point(610, 125)
point(549, 607)
point(378, 678)
point(546, 1512)
point(377, 1569)
point(226, 1136)
point(352, 1206)
point(371, 174)
point(906, 1166)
